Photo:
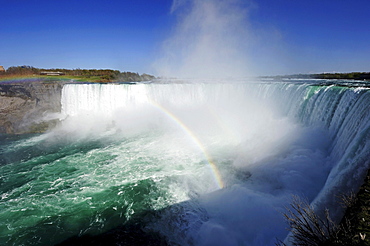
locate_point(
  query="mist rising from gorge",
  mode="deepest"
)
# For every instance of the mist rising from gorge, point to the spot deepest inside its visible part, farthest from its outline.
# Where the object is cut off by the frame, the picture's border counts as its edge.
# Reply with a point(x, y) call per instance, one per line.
point(216, 39)
point(207, 41)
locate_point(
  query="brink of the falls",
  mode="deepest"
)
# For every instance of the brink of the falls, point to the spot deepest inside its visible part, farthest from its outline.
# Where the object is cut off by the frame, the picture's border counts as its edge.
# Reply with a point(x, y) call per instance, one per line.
point(195, 163)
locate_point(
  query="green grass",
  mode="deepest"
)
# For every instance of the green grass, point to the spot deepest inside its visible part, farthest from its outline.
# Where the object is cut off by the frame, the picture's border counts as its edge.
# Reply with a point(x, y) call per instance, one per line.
point(92, 79)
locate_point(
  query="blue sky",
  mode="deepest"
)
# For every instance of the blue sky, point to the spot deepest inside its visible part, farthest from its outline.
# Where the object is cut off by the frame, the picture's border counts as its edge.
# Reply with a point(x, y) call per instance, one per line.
point(285, 36)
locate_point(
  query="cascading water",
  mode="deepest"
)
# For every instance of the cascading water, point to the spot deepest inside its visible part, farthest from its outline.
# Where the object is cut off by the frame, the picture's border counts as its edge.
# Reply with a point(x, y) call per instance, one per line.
point(215, 162)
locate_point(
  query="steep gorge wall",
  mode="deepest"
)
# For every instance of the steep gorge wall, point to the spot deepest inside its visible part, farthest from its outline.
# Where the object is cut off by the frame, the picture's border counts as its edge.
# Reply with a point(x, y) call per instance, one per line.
point(25, 107)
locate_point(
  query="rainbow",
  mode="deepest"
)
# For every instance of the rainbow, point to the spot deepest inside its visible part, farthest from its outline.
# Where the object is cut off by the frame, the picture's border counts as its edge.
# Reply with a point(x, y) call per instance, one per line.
point(216, 173)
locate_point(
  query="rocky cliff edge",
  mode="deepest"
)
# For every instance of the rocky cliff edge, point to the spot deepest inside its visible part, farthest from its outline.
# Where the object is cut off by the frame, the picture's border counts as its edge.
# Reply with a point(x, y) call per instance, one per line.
point(29, 107)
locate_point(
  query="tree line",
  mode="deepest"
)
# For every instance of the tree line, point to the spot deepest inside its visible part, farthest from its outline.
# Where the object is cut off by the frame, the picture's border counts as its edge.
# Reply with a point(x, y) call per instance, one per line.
point(353, 75)
point(104, 75)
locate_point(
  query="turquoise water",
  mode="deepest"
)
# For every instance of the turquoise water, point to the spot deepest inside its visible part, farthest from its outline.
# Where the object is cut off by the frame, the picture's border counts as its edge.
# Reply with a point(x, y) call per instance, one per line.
point(58, 185)
point(52, 188)
point(55, 188)
point(122, 152)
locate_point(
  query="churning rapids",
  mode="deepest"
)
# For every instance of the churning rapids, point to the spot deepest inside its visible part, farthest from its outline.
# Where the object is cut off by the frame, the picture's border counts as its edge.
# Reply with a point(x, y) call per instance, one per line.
point(197, 163)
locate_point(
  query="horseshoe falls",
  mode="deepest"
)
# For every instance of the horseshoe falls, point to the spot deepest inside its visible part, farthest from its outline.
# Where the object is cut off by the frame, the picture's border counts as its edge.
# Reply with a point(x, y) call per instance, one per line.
point(191, 163)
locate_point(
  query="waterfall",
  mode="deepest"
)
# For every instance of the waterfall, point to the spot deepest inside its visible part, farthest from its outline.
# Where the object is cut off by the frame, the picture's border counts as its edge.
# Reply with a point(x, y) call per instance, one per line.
point(342, 111)
point(198, 163)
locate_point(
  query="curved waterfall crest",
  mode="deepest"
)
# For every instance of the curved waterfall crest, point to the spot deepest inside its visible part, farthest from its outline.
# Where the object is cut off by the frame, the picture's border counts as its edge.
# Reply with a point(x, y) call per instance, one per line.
point(343, 111)
point(193, 162)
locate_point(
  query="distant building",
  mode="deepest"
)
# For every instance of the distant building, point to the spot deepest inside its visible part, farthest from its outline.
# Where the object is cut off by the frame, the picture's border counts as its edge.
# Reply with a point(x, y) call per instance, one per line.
point(53, 73)
point(2, 70)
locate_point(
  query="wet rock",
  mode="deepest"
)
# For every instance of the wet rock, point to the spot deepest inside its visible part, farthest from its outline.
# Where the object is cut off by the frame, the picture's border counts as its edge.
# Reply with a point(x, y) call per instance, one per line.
point(25, 106)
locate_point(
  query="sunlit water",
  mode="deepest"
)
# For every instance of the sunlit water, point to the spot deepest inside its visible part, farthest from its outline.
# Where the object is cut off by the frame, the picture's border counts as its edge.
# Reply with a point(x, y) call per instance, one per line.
point(217, 162)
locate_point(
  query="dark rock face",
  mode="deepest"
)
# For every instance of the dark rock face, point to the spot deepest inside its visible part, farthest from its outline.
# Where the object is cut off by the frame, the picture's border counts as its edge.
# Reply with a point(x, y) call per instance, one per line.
point(27, 107)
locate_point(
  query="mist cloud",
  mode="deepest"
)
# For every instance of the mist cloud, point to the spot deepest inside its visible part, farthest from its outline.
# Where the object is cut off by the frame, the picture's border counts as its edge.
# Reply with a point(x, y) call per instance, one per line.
point(210, 40)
